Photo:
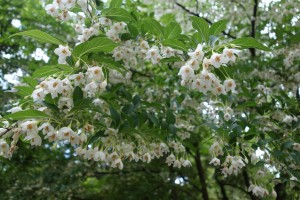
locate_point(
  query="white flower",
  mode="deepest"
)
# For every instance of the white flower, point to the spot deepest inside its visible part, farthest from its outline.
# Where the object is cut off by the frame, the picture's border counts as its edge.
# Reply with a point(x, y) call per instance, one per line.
point(63, 52)
point(230, 54)
point(177, 164)
point(168, 52)
point(219, 89)
point(118, 55)
point(147, 158)
point(79, 151)
point(164, 148)
point(152, 53)
point(59, 3)
point(55, 87)
point(83, 4)
point(117, 163)
point(296, 147)
point(186, 163)
point(216, 149)
point(193, 63)
point(95, 73)
point(46, 127)
point(227, 116)
point(105, 21)
point(4, 148)
point(170, 159)
point(215, 161)
point(91, 88)
point(186, 72)
point(74, 139)
point(288, 119)
point(35, 139)
point(38, 94)
point(99, 156)
point(113, 156)
point(217, 60)
point(65, 133)
point(51, 136)
point(52, 10)
point(118, 27)
point(198, 54)
point(78, 78)
point(78, 28)
point(229, 85)
point(206, 63)
point(30, 127)
point(69, 4)
point(197, 84)
point(144, 45)
point(14, 109)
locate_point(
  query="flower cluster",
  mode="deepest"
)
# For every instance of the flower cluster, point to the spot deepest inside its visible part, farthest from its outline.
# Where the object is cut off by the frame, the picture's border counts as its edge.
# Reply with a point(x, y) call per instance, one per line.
point(206, 80)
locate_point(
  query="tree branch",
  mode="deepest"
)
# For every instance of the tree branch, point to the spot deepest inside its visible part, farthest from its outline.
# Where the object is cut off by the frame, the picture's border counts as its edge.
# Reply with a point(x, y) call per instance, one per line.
point(247, 183)
point(201, 175)
point(207, 20)
point(223, 191)
point(253, 26)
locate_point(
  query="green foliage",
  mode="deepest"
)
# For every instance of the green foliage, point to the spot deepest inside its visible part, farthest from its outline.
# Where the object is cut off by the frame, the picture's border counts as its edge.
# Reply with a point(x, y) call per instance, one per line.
point(118, 14)
point(249, 42)
point(152, 107)
point(202, 27)
point(99, 44)
point(27, 114)
point(52, 70)
point(40, 36)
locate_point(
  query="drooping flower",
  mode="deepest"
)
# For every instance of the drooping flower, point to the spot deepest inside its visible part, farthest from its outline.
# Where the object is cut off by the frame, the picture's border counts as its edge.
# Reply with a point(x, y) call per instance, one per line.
point(229, 85)
point(186, 72)
point(217, 60)
point(198, 54)
point(63, 52)
point(215, 161)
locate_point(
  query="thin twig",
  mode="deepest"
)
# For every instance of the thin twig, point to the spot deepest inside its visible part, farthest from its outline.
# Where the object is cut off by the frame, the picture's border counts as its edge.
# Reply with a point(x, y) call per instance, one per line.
point(207, 20)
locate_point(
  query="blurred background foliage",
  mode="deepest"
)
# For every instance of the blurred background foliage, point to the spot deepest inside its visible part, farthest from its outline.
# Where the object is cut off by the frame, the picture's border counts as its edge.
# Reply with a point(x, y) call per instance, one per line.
point(53, 172)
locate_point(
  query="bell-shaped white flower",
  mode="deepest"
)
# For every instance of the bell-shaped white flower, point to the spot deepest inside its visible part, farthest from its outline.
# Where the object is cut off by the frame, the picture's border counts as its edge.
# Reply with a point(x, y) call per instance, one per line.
point(52, 10)
point(229, 85)
point(217, 60)
point(230, 54)
point(63, 52)
point(186, 72)
point(198, 54)
point(215, 161)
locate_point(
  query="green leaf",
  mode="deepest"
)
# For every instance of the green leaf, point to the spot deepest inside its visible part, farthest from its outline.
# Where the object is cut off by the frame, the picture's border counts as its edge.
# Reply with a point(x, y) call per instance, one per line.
point(249, 42)
point(175, 44)
point(49, 70)
point(24, 91)
point(27, 114)
point(170, 117)
point(196, 37)
point(40, 36)
point(136, 100)
point(133, 30)
point(115, 3)
point(30, 81)
point(99, 44)
point(115, 116)
point(171, 59)
point(77, 94)
point(118, 14)
point(154, 27)
point(201, 26)
point(172, 30)
point(111, 64)
point(218, 27)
